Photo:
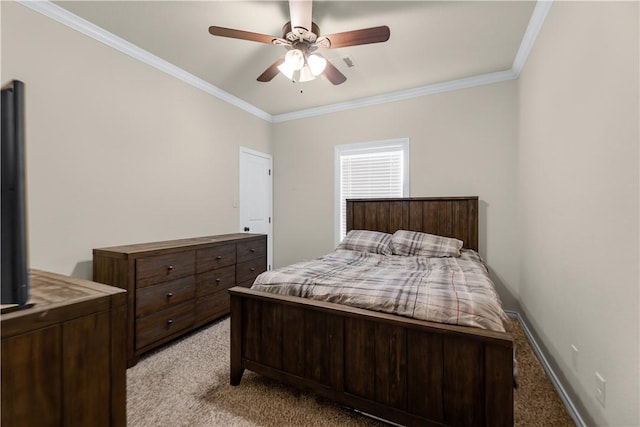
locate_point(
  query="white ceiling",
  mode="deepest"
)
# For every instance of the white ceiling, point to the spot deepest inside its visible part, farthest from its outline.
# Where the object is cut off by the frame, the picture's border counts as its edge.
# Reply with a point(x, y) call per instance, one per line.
point(431, 42)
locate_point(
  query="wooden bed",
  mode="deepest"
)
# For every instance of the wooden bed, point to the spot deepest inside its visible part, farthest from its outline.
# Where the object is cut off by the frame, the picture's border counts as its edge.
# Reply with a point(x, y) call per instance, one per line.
point(408, 371)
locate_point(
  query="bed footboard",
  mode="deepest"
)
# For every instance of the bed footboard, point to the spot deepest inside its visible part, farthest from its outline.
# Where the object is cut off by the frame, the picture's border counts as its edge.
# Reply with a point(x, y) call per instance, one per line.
point(408, 371)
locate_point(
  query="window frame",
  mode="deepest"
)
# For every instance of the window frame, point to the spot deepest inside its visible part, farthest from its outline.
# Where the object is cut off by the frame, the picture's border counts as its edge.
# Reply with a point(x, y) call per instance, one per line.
point(363, 148)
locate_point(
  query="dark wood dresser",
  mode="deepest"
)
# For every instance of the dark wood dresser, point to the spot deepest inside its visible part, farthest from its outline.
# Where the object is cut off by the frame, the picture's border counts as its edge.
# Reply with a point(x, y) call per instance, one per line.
point(64, 359)
point(178, 285)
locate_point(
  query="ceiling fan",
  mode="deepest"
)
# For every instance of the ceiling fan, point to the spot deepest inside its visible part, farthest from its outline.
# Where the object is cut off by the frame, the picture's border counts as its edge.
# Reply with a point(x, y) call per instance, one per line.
point(301, 37)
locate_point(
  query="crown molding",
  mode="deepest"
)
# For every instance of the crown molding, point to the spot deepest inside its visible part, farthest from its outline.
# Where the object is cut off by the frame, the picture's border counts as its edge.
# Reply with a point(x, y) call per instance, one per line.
point(531, 34)
point(85, 27)
point(465, 83)
point(61, 15)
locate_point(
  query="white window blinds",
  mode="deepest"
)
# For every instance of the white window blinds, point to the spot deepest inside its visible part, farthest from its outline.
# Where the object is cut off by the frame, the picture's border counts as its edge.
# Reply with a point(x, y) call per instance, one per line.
point(370, 170)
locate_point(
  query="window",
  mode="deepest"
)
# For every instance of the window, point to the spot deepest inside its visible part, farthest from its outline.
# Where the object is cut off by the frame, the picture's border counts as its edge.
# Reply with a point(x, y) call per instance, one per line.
point(368, 170)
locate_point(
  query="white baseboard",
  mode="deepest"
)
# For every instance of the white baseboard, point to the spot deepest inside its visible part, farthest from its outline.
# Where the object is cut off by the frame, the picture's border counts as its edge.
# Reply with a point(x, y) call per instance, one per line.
point(573, 412)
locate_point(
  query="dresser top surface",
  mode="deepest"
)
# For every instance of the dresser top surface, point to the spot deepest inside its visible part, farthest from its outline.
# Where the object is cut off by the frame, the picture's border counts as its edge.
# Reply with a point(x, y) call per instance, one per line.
point(52, 295)
point(168, 245)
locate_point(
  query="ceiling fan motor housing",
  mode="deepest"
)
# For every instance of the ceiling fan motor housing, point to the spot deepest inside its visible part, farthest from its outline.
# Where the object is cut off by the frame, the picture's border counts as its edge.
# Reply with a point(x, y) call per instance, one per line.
point(300, 34)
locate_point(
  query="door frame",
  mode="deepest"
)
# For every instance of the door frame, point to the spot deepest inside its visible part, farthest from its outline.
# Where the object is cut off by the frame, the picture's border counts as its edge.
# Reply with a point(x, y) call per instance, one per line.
point(243, 151)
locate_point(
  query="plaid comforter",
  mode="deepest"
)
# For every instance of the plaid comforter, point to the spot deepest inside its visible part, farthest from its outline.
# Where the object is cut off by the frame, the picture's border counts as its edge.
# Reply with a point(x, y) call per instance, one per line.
point(454, 290)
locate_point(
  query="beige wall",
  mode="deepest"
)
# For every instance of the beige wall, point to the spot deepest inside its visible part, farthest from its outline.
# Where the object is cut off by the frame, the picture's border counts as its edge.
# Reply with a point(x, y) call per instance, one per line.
point(118, 152)
point(578, 191)
point(462, 143)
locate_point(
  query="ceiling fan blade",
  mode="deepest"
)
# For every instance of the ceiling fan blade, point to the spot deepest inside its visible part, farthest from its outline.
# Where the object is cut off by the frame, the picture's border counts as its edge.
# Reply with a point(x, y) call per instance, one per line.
point(242, 35)
point(358, 37)
point(300, 11)
point(272, 71)
point(333, 74)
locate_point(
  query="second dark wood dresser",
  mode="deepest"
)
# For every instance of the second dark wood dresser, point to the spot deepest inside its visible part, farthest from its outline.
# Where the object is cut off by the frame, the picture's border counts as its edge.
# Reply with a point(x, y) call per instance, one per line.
point(178, 285)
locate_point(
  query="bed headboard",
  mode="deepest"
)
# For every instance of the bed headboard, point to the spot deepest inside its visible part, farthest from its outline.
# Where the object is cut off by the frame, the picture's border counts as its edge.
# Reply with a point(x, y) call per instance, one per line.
point(446, 216)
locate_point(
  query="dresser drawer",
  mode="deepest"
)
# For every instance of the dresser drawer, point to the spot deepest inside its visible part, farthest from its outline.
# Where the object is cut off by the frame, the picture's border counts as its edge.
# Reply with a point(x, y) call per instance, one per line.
point(215, 257)
point(151, 299)
point(164, 323)
point(216, 280)
point(161, 268)
point(251, 250)
point(249, 270)
point(212, 306)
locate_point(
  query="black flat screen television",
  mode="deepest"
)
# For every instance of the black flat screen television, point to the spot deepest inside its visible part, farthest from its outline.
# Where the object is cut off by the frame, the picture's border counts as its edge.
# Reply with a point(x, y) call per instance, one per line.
point(13, 232)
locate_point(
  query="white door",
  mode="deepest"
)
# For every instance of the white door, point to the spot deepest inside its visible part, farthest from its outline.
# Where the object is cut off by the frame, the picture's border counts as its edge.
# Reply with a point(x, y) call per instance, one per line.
point(256, 184)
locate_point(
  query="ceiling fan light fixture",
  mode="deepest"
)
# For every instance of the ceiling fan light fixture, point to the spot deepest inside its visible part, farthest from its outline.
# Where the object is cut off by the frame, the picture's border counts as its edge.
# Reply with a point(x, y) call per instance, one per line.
point(306, 75)
point(286, 71)
point(316, 64)
point(294, 59)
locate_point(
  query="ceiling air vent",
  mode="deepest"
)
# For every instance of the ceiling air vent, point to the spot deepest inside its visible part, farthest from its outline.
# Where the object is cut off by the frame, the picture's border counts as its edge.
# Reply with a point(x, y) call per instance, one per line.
point(349, 61)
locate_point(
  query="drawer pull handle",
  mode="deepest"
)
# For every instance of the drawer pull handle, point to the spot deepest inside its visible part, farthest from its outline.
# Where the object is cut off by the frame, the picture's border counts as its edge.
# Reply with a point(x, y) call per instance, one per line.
point(169, 322)
point(218, 280)
point(169, 294)
point(219, 257)
point(170, 267)
point(253, 269)
point(252, 250)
